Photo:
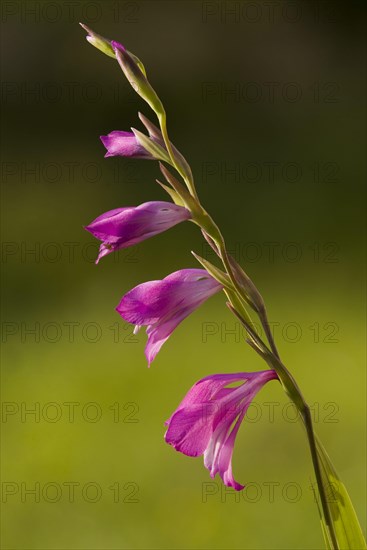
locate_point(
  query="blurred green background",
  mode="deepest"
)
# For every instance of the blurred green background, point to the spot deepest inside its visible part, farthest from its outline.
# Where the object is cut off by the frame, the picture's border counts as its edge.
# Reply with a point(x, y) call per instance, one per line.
point(266, 100)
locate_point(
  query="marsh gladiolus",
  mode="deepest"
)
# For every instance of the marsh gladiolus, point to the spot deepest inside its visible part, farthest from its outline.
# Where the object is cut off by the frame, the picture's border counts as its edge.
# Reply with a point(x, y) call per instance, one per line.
point(128, 226)
point(207, 420)
point(124, 144)
point(162, 305)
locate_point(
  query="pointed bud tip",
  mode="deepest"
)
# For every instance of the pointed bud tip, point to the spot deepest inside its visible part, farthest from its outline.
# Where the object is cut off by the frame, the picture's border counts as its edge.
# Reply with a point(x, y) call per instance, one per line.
point(143, 118)
point(118, 47)
point(136, 133)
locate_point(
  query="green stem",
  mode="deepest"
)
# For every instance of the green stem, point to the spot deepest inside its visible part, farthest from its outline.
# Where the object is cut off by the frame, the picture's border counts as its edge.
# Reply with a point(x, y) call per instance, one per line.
point(263, 316)
point(306, 417)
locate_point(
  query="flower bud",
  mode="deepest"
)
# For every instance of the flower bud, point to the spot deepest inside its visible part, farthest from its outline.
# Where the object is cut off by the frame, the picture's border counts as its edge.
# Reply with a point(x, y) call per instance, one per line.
point(137, 78)
point(99, 42)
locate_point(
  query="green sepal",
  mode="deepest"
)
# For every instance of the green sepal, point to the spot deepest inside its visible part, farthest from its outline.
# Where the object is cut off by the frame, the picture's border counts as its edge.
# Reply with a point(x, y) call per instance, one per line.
point(215, 272)
point(188, 200)
point(154, 132)
point(138, 62)
point(151, 146)
point(253, 296)
point(172, 193)
point(157, 135)
point(238, 309)
point(99, 42)
point(177, 186)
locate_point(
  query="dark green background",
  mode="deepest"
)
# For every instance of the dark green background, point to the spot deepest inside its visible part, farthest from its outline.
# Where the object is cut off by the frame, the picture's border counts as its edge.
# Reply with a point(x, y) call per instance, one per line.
point(59, 94)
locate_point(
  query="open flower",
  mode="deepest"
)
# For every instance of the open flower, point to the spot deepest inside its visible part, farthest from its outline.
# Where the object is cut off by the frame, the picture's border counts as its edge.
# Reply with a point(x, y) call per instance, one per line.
point(207, 420)
point(162, 305)
point(124, 144)
point(127, 226)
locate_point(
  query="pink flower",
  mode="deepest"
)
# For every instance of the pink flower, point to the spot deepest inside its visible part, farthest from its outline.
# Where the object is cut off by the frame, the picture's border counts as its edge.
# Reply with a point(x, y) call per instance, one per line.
point(207, 420)
point(162, 305)
point(124, 227)
point(124, 144)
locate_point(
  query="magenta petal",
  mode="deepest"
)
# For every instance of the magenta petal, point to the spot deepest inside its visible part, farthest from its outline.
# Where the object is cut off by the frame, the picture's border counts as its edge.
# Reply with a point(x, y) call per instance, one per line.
point(102, 226)
point(103, 251)
point(225, 458)
point(162, 305)
point(123, 144)
point(204, 390)
point(123, 227)
point(159, 333)
point(188, 431)
point(221, 426)
point(146, 303)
